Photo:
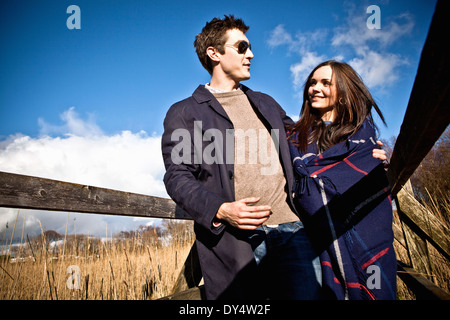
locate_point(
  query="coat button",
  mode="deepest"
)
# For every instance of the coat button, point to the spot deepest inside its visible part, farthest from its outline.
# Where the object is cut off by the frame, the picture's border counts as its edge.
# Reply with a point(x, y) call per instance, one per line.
point(231, 175)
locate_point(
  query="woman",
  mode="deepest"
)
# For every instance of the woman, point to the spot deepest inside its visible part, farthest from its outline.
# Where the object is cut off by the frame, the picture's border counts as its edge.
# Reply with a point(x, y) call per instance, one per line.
point(341, 189)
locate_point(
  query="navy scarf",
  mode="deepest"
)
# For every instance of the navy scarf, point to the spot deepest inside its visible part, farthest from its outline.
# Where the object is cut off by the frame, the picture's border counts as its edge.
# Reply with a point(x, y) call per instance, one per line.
point(343, 197)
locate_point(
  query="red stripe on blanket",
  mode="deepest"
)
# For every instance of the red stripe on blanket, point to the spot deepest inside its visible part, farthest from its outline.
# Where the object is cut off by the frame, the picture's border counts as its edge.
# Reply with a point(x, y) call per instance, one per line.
point(375, 258)
point(389, 195)
point(332, 165)
point(354, 167)
point(357, 285)
point(326, 263)
point(323, 169)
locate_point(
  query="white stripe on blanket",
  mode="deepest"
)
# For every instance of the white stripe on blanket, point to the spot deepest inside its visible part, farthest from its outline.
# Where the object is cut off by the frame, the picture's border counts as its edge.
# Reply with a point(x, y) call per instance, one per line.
point(304, 156)
point(333, 234)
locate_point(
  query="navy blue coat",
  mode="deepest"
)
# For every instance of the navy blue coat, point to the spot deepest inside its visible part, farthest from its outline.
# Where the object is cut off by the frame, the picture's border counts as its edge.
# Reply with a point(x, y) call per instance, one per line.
point(226, 258)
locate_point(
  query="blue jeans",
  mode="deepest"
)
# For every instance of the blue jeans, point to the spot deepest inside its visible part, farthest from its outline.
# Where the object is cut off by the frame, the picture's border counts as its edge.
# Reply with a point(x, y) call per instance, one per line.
point(289, 266)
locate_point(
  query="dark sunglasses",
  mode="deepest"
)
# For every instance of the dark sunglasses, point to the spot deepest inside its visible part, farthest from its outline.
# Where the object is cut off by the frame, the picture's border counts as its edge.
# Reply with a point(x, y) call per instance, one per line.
point(242, 46)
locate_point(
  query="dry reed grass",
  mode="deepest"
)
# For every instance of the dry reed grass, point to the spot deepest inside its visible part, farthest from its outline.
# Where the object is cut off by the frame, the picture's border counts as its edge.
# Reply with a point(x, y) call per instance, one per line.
point(439, 264)
point(117, 269)
point(141, 266)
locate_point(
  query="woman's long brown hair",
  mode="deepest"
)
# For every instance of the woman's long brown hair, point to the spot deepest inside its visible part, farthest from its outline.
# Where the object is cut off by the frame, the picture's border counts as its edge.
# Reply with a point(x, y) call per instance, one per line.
point(353, 105)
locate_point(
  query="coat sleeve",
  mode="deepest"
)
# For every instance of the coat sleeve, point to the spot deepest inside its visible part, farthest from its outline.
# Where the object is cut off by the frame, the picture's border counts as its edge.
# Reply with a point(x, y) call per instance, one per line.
point(182, 179)
point(287, 121)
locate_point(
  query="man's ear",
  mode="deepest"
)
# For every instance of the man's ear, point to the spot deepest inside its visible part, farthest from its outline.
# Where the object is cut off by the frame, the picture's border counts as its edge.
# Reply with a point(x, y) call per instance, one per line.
point(213, 54)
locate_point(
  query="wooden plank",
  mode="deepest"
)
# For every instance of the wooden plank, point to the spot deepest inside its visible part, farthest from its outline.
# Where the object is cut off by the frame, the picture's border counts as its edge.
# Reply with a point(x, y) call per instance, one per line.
point(21, 191)
point(428, 111)
point(423, 288)
point(416, 245)
point(417, 251)
point(397, 228)
point(398, 235)
point(435, 232)
point(196, 293)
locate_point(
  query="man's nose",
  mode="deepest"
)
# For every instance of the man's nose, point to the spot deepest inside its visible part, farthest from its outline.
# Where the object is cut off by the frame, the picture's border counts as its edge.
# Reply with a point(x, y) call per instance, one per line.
point(249, 54)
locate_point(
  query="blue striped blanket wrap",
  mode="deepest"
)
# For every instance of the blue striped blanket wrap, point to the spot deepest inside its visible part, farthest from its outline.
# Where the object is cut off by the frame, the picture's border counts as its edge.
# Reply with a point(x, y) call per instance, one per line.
point(343, 197)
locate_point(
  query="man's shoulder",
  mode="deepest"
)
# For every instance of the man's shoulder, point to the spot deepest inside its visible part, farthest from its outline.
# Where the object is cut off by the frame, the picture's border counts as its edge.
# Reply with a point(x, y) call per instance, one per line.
point(182, 103)
point(200, 95)
point(258, 94)
point(187, 105)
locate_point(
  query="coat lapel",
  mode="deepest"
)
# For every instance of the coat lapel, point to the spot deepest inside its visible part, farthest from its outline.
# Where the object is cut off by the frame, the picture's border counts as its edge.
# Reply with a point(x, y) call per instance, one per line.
point(202, 95)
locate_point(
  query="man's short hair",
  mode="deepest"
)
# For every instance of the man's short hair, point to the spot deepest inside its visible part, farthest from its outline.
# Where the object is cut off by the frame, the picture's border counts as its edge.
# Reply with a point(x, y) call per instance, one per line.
point(214, 35)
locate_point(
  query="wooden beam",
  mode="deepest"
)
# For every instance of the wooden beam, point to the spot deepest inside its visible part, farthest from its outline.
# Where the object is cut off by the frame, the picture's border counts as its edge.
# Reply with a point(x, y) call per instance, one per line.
point(428, 112)
point(196, 293)
point(21, 191)
point(398, 235)
point(417, 251)
point(423, 288)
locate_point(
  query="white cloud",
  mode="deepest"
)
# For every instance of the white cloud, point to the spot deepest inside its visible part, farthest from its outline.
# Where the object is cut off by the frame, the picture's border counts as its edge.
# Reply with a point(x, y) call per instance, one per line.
point(73, 125)
point(367, 50)
point(377, 66)
point(356, 34)
point(279, 36)
point(126, 161)
point(301, 70)
point(84, 154)
point(378, 70)
point(300, 43)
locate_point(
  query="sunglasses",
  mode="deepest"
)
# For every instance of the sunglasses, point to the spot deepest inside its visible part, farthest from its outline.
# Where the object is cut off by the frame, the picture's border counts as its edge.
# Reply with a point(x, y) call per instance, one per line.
point(240, 46)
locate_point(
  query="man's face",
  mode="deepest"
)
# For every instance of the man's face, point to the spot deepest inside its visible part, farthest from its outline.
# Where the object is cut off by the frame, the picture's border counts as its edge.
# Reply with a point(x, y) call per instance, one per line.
point(235, 65)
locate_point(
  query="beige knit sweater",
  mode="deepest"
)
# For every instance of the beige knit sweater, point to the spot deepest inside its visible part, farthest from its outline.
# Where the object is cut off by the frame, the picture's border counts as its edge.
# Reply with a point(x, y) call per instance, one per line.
point(257, 168)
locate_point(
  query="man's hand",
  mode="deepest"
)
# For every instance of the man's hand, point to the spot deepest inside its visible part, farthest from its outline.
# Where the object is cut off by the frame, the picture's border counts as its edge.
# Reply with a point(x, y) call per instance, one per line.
point(240, 215)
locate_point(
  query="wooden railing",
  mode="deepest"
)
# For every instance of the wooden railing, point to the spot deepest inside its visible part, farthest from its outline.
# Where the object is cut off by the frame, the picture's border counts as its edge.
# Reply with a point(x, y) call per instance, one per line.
point(426, 118)
point(27, 192)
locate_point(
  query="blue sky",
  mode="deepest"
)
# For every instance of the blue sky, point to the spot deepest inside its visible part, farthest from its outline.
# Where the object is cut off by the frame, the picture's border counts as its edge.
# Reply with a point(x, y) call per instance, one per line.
point(132, 59)
point(106, 87)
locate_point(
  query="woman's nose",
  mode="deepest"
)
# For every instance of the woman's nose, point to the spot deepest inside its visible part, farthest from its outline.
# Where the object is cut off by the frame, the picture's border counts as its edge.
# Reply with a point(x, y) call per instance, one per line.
point(316, 88)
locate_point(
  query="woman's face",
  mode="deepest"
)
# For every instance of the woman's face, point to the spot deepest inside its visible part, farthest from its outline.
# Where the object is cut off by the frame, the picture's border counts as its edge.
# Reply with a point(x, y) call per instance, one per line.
point(322, 92)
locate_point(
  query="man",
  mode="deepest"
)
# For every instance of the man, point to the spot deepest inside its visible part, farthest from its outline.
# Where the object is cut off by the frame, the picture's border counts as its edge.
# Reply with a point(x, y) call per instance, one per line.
point(238, 204)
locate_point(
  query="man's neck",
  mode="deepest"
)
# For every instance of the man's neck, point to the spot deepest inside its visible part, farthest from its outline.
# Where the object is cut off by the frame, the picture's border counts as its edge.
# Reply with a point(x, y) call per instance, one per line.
point(217, 90)
point(224, 85)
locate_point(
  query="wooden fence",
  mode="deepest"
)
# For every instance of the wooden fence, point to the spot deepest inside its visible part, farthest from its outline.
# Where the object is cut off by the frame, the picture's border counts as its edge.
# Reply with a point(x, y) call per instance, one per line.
point(426, 118)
